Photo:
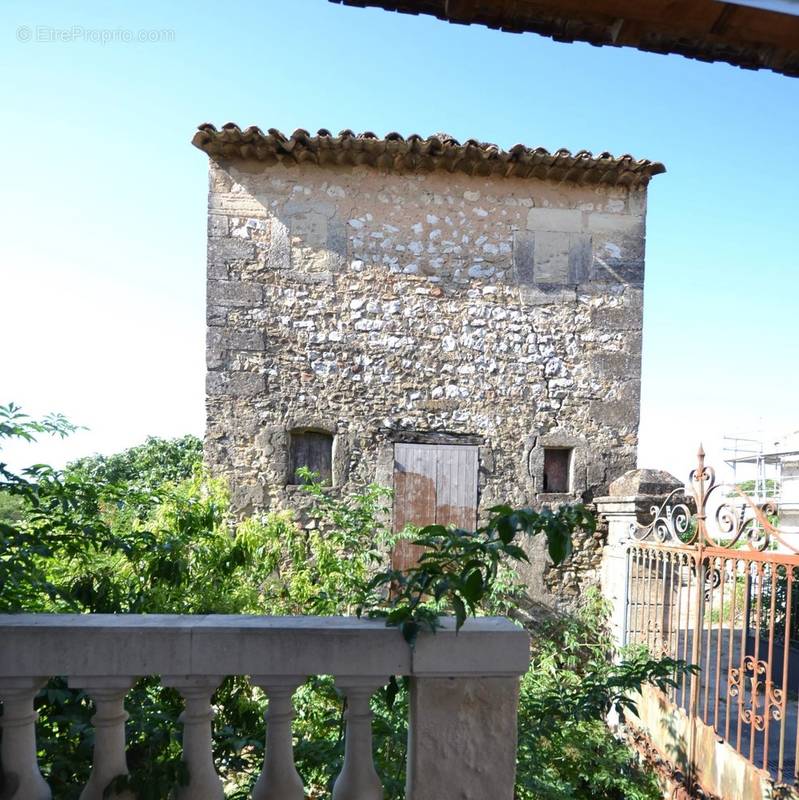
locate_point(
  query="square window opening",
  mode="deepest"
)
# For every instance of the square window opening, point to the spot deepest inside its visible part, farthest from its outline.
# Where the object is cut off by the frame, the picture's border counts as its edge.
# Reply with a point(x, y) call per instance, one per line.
point(314, 450)
point(557, 469)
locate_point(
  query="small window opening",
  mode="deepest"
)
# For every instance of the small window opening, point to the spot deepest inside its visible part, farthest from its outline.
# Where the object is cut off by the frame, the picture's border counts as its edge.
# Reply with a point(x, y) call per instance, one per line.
point(557, 466)
point(313, 450)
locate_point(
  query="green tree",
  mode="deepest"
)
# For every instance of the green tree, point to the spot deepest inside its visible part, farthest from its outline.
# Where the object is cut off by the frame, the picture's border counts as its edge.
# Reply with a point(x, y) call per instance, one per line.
point(147, 465)
point(771, 487)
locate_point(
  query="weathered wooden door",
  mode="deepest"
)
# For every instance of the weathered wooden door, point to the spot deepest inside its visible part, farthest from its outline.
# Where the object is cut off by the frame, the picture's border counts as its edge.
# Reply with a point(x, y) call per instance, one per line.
point(433, 484)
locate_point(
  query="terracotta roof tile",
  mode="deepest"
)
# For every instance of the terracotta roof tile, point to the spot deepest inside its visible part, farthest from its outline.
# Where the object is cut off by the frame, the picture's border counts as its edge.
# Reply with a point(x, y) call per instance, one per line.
point(414, 153)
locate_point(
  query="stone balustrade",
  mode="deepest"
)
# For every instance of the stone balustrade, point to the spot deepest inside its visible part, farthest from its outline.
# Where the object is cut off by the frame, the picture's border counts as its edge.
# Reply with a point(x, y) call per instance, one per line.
point(463, 697)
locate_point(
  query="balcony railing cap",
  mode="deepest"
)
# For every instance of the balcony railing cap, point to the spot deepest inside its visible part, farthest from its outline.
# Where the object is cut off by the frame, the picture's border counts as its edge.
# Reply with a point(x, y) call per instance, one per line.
point(81, 645)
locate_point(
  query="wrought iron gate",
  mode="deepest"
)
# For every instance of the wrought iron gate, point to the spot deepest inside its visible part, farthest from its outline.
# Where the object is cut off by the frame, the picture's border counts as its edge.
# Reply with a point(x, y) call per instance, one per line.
point(723, 594)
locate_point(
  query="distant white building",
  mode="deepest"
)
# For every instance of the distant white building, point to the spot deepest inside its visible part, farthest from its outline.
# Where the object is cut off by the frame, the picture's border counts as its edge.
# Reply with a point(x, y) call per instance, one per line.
point(776, 472)
point(789, 480)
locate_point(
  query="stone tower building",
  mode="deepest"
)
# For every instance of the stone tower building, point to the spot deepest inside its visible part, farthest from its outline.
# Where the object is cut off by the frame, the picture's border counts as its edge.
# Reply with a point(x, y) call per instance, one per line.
point(454, 321)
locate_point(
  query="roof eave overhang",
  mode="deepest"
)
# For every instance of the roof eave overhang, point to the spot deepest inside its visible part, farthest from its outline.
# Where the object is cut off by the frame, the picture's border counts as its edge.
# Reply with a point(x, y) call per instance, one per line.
point(416, 154)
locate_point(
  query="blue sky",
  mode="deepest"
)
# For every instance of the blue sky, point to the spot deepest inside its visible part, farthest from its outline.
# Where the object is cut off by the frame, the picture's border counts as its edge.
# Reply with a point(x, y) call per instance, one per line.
point(102, 211)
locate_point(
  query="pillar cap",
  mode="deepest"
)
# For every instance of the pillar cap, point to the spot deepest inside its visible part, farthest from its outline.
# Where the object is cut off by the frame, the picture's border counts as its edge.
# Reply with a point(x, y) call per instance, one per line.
point(648, 482)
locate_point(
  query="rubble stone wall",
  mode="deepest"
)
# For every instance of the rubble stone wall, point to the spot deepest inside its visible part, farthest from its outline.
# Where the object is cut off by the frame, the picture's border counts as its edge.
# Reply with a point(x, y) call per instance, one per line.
point(383, 307)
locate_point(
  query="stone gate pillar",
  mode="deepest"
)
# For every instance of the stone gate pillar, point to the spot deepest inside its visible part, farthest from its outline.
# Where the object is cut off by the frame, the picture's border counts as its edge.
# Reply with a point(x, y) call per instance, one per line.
point(630, 500)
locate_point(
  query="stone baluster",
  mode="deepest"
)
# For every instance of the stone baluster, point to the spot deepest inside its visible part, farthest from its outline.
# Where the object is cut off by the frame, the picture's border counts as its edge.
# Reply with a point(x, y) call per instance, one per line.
point(279, 779)
point(197, 691)
point(109, 761)
point(23, 781)
point(358, 779)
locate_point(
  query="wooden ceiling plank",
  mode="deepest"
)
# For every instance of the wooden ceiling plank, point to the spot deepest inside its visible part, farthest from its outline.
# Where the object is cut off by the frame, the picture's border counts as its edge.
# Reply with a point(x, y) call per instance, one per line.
point(709, 30)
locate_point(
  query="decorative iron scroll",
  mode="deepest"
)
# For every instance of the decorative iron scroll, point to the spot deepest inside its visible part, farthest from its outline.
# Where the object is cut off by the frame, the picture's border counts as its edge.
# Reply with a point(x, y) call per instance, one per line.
point(671, 522)
point(761, 687)
point(748, 523)
point(712, 578)
point(734, 524)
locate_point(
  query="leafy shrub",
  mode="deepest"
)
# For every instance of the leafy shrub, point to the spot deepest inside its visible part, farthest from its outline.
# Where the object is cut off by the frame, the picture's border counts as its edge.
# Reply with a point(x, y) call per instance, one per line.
point(459, 571)
point(565, 748)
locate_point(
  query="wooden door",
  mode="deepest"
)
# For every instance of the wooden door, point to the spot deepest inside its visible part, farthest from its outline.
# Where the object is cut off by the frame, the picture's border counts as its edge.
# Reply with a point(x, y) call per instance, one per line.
point(433, 484)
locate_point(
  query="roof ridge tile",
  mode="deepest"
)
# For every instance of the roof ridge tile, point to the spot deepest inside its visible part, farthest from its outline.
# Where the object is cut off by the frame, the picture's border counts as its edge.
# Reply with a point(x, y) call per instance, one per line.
point(417, 153)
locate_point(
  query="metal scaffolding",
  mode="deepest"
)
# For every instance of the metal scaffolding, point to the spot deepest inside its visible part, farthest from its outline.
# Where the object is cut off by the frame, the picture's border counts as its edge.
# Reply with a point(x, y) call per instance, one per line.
point(747, 452)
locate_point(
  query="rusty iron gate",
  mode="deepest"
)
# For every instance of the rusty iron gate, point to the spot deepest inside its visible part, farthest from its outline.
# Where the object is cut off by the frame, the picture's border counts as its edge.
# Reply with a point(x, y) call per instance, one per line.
point(723, 594)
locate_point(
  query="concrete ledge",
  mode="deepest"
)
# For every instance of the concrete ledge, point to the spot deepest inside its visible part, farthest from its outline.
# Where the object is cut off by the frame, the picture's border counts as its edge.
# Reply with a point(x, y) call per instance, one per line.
point(486, 646)
point(718, 768)
point(125, 645)
point(639, 505)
